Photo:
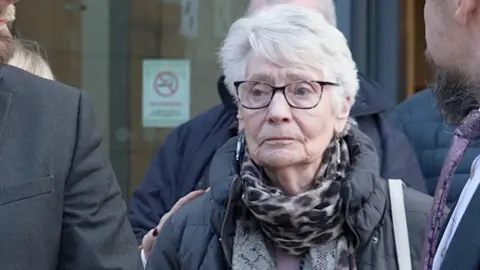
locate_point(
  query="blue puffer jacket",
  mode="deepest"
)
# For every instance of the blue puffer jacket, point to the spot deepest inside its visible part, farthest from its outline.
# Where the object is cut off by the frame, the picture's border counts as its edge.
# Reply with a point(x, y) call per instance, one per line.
point(430, 137)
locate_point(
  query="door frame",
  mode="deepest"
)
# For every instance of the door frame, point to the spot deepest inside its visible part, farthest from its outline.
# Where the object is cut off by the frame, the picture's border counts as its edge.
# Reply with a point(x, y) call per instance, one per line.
point(373, 30)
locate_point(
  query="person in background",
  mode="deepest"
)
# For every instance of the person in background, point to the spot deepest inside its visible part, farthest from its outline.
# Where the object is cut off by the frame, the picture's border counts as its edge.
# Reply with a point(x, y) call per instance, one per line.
point(60, 204)
point(430, 137)
point(181, 163)
point(27, 55)
point(308, 191)
point(452, 35)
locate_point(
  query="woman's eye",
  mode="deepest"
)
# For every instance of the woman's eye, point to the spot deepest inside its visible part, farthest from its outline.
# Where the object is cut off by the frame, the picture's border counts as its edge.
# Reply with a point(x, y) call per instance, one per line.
point(259, 91)
point(302, 91)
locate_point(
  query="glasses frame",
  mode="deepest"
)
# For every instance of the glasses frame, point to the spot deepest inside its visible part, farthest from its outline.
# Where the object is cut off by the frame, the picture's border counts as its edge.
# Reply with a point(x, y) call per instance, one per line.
point(282, 89)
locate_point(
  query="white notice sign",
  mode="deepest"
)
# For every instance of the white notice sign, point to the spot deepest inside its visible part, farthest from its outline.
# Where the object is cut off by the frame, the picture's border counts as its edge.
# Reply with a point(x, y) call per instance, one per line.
point(166, 93)
point(189, 21)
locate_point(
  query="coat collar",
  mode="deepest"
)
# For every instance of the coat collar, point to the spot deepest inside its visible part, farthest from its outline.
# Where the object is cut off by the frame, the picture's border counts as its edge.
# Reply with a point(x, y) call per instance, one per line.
point(367, 200)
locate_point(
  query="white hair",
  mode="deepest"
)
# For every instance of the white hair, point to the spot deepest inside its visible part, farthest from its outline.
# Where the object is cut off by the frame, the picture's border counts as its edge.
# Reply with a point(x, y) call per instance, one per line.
point(291, 36)
point(326, 7)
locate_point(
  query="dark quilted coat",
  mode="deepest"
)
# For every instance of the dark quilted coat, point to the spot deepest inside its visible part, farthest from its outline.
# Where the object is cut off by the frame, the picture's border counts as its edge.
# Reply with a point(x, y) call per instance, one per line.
point(199, 236)
point(430, 138)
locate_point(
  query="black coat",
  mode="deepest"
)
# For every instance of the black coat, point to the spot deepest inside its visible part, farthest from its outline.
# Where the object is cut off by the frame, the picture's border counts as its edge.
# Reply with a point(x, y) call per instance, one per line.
point(199, 236)
point(430, 137)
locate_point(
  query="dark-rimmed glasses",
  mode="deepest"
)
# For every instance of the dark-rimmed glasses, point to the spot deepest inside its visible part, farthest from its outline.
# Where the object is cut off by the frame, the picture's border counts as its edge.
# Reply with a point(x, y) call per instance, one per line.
point(300, 95)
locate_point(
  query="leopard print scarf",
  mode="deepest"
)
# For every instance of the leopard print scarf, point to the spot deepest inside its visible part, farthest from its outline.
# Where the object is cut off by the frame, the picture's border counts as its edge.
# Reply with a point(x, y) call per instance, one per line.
point(312, 218)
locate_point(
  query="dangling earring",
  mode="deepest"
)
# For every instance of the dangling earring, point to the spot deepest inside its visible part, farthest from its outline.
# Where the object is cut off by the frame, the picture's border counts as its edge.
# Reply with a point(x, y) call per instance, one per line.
point(345, 130)
point(337, 144)
point(240, 147)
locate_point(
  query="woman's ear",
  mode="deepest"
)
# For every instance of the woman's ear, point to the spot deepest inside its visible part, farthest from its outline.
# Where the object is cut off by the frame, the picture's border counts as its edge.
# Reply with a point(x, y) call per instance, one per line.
point(344, 111)
point(465, 10)
point(342, 115)
point(241, 124)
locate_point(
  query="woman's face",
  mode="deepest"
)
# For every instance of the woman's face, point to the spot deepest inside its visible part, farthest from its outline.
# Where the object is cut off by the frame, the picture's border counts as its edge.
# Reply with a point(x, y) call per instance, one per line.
point(279, 135)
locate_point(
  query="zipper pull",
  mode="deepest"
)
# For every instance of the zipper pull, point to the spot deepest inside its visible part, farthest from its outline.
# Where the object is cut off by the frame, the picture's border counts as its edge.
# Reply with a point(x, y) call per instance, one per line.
point(236, 187)
point(240, 142)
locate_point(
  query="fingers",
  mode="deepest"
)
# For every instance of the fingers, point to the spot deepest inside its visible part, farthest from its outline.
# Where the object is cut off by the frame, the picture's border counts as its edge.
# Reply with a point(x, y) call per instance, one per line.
point(148, 241)
point(190, 196)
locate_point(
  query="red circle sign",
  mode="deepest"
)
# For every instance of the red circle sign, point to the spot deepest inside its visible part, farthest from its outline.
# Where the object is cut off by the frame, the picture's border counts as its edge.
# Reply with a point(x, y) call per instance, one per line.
point(166, 84)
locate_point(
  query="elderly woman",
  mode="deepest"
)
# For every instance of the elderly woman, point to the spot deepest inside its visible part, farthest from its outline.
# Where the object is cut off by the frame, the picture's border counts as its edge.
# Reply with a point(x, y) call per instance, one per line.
point(301, 188)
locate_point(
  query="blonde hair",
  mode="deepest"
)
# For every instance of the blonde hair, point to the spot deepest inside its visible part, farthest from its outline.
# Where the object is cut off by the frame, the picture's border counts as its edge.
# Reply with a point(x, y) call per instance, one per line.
point(29, 56)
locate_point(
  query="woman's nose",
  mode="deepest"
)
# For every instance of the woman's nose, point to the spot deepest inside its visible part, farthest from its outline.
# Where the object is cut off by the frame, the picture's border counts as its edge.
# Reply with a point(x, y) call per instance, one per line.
point(279, 110)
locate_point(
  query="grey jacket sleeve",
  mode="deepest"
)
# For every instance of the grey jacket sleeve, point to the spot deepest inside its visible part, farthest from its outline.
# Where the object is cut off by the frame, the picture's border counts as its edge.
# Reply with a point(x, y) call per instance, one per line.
point(417, 207)
point(96, 233)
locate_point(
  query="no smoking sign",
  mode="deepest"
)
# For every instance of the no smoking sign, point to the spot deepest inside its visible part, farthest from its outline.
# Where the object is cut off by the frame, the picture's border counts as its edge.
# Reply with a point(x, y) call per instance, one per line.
point(166, 84)
point(166, 92)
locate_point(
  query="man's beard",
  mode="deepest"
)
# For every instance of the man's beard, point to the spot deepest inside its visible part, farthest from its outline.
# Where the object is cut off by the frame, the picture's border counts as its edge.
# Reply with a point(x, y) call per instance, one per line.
point(455, 92)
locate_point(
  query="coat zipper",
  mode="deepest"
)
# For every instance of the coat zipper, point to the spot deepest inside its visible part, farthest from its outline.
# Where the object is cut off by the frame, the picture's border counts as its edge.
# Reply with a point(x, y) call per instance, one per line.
point(357, 237)
point(227, 213)
point(347, 218)
point(233, 188)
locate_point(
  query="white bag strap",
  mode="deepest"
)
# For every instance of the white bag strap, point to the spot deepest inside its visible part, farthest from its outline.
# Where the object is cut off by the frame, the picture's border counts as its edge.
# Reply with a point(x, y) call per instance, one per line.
point(400, 228)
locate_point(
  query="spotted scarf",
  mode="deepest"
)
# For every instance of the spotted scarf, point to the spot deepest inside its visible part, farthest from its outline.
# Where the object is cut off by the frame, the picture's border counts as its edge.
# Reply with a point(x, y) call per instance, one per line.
point(299, 223)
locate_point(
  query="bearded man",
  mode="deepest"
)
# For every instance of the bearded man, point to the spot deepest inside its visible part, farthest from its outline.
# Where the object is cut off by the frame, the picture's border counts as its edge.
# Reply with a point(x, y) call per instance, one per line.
point(60, 204)
point(453, 38)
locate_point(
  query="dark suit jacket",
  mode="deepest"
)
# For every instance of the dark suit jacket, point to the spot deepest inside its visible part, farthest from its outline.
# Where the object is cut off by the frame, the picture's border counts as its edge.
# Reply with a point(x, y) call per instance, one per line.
point(464, 249)
point(60, 204)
